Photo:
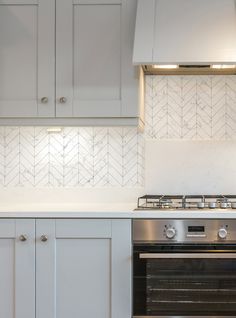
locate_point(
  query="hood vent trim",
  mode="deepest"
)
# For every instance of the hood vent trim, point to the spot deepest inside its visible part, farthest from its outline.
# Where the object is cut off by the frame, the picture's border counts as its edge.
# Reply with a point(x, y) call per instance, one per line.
point(189, 70)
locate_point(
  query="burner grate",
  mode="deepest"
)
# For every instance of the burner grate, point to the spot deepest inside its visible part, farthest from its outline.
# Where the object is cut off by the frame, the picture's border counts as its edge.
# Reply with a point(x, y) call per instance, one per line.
point(153, 202)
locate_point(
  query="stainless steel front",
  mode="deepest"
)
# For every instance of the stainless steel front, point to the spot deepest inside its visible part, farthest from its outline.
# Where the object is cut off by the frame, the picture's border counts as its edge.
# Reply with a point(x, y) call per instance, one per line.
point(147, 230)
point(187, 255)
point(182, 316)
point(196, 235)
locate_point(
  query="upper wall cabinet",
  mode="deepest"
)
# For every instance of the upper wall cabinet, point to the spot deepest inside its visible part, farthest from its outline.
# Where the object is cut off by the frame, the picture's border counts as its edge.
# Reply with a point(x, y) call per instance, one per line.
point(86, 72)
point(95, 75)
point(27, 58)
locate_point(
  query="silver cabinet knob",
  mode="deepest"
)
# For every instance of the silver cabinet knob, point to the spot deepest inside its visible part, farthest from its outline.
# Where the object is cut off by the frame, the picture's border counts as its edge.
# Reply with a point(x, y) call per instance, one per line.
point(23, 238)
point(62, 100)
point(44, 100)
point(44, 238)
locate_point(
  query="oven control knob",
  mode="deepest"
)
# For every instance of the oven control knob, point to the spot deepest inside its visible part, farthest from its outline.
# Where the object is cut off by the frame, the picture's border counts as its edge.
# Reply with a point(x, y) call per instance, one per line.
point(222, 233)
point(170, 232)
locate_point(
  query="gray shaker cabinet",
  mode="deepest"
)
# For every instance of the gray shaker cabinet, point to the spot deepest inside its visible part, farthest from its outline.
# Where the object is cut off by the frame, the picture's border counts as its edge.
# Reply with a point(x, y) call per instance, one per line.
point(83, 269)
point(94, 46)
point(17, 268)
point(65, 268)
point(67, 59)
point(27, 58)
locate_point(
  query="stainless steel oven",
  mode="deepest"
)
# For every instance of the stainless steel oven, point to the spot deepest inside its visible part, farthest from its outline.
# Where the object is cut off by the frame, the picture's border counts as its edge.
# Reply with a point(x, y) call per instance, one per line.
point(184, 268)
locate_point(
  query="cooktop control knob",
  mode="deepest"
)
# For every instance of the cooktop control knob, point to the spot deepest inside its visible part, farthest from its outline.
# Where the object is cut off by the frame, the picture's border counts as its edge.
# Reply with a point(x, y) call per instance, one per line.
point(170, 232)
point(222, 233)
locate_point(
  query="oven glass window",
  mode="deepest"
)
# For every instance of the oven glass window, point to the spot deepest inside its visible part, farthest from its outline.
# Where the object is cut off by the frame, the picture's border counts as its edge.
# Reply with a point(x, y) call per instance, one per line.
point(184, 286)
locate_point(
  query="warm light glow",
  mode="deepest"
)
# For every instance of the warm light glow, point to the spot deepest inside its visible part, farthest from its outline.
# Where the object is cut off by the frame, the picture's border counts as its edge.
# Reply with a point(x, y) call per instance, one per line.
point(223, 66)
point(166, 66)
point(55, 130)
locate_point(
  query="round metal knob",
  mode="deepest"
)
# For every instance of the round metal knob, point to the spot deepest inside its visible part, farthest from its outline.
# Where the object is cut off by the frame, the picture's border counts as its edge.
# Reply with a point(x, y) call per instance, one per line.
point(222, 233)
point(43, 238)
point(170, 232)
point(62, 100)
point(23, 238)
point(44, 100)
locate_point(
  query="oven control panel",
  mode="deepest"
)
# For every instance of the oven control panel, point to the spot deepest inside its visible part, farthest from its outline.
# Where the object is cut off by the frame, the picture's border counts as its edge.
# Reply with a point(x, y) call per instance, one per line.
point(184, 230)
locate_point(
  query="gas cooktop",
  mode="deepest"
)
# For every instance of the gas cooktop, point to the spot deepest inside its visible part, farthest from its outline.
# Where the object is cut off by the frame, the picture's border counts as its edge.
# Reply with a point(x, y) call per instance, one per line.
point(154, 202)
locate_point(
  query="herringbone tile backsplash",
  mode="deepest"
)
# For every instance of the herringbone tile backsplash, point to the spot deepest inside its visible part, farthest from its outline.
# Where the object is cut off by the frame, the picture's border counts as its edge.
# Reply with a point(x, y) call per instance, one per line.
point(177, 107)
point(191, 107)
point(93, 157)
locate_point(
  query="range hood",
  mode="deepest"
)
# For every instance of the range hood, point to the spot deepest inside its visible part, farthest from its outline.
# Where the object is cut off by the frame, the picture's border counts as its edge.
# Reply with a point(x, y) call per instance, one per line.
point(186, 36)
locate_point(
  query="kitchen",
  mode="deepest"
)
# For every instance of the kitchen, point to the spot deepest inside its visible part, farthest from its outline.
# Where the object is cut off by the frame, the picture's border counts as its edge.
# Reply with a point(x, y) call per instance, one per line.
point(117, 147)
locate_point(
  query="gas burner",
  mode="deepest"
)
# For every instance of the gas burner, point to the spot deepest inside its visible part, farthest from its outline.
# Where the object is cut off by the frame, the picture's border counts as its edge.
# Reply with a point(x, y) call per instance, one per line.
point(174, 202)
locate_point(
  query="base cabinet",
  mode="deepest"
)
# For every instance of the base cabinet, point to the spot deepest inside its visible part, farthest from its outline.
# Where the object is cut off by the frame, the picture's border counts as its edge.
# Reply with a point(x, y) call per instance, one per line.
point(65, 268)
point(17, 268)
point(83, 269)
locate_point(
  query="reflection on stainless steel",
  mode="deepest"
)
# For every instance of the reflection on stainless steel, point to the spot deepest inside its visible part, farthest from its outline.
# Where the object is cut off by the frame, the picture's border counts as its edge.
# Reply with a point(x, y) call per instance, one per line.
point(212, 205)
point(233, 205)
point(193, 290)
point(184, 268)
point(181, 316)
point(189, 255)
point(185, 230)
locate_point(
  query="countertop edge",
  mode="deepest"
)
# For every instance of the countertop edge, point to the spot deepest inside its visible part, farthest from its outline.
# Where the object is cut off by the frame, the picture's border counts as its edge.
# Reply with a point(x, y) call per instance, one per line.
point(116, 215)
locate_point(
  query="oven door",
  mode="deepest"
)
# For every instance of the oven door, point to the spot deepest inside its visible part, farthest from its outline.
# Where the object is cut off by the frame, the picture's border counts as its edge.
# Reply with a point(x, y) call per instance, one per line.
point(184, 280)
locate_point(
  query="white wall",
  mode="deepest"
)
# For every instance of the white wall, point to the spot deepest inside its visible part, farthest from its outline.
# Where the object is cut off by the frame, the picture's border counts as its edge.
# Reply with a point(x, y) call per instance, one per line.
point(190, 167)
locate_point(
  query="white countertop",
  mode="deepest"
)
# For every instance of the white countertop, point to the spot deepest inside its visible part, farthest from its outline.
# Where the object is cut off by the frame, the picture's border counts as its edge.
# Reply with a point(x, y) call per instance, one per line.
point(90, 203)
point(116, 211)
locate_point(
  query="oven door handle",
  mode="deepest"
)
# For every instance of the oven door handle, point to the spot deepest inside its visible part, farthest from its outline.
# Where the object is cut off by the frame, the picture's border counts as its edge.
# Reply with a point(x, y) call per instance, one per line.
point(187, 255)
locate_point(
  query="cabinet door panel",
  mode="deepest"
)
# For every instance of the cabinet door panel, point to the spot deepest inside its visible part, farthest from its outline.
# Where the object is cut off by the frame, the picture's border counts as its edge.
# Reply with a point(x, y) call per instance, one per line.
point(17, 269)
point(94, 58)
point(83, 228)
point(83, 288)
point(26, 58)
point(102, 40)
point(85, 272)
point(97, 1)
point(7, 277)
point(25, 269)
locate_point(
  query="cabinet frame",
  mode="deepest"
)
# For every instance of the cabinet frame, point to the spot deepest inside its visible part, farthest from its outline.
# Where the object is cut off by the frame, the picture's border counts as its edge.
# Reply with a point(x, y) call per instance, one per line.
point(23, 296)
point(119, 233)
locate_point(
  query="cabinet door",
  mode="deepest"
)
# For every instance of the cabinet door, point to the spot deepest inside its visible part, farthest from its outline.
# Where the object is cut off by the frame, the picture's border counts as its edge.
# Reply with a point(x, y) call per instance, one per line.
point(27, 58)
point(94, 45)
point(17, 268)
point(83, 269)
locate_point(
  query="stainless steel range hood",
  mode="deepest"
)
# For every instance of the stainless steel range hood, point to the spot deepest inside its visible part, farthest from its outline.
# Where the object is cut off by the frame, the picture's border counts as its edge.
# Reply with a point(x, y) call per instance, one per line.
point(186, 36)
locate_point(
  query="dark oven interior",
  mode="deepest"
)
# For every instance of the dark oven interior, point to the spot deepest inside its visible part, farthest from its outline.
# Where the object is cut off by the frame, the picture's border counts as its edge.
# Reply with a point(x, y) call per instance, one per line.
point(184, 286)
